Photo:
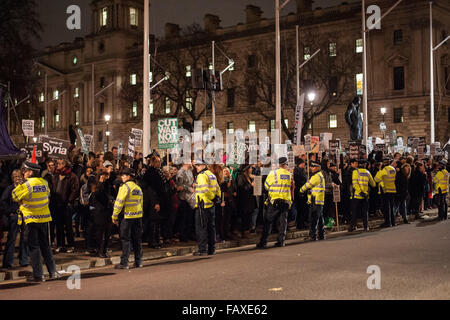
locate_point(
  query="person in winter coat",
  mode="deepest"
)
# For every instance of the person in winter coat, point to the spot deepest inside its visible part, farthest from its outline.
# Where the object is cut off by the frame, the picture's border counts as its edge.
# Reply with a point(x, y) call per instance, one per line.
point(417, 187)
point(246, 201)
point(401, 185)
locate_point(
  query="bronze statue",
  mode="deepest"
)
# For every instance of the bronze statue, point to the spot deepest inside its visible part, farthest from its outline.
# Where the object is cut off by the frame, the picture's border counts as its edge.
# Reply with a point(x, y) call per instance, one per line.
point(354, 119)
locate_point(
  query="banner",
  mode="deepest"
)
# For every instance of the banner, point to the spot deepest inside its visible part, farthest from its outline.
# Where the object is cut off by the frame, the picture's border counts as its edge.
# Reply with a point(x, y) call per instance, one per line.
point(325, 140)
point(315, 144)
point(88, 139)
point(138, 133)
point(299, 120)
point(56, 148)
point(28, 128)
point(167, 133)
point(131, 146)
point(308, 143)
point(83, 142)
point(28, 149)
point(299, 150)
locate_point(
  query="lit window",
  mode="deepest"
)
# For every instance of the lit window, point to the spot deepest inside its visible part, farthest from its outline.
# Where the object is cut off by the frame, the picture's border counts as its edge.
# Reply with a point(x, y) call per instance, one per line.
point(332, 121)
point(41, 97)
point(42, 122)
point(359, 46)
point(210, 66)
point(39, 73)
point(359, 83)
point(133, 79)
point(332, 49)
point(306, 53)
point(189, 101)
point(77, 118)
point(75, 60)
point(151, 106)
point(230, 127)
point(134, 110)
point(133, 17)
point(286, 122)
point(150, 76)
point(104, 17)
point(56, 94)
point(167, 105)
point(77, 92)
point(252, 126)
point(56, 116)
point(272, 124)
point(188, 71)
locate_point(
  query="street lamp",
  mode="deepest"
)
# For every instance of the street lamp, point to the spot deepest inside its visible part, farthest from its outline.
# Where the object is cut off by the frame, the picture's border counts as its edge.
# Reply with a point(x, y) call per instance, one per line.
point(108, 133)
point(311, 98)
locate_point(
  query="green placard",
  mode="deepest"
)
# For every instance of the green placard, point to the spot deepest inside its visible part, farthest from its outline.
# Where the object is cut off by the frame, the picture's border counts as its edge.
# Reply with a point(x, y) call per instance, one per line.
point(167, 133)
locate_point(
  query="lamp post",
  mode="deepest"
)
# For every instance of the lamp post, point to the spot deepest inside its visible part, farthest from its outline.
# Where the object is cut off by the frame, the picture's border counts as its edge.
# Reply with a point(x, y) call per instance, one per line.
point(311, 98)
point(108, 133)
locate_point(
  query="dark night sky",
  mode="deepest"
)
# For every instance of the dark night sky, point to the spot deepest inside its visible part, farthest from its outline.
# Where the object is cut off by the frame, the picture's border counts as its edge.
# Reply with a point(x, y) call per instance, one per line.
point(183, 12)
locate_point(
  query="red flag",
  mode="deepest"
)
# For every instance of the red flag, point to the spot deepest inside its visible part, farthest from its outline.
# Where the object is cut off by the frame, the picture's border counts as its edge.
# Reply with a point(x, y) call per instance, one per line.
point(33, 156)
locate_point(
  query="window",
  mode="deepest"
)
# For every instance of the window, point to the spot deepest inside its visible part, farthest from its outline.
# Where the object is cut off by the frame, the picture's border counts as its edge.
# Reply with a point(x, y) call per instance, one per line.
point(272, 124)
point(230, 97)
point(56, 117)
point(102, 82)
point(133, 17)
point(286, 122)
point(104, 17)
point(42, 122)
point(167, 105)
point(41, 97)
point(100, 136)
point(448, 114)
point(446, 78)
point(332, 49)
point(251, 61)
point(56, 94)
point(151, 106)
point(306, 53)
point(102, 110)
point(150, 76)
point(399, 78)
point(398, 115)
point(359, 46)
point(251, 95)
point(252, 126)
point(75, 60)
point(76, 93)
point(332, 121)
point(77, 118)
point(134, 110)
point(189, 101)
point(359, 83)
point(230, 127)
point(210, 66)
point(398, 37)
point(332, 83)
point(188, 71)
point(133, 79)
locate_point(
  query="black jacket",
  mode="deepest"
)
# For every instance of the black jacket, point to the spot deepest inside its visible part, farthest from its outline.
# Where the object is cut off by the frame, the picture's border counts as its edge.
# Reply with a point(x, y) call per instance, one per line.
point(7, 205)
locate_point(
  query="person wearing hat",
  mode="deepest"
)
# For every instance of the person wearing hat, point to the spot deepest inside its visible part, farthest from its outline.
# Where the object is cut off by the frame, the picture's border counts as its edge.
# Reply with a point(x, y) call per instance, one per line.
point(207, 191)
point(130, 200)
point(33, 198)
point(347, 188)
point(279, 184)
point(440, 182)
point(316, 201)
point(300, 178)
point(361, 179)
point(386, 176)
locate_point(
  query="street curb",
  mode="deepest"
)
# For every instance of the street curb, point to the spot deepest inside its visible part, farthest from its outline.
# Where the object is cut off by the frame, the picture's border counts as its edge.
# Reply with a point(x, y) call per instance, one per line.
point(172, 252)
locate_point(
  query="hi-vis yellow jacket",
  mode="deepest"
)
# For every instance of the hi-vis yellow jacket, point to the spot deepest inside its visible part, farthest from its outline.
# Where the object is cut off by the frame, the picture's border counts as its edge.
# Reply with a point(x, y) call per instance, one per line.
point(33, 198)
point(278, 184)
point(361, 178)
point(317, 185)
point(130, 200)
point(387, 176)
point(206, 189)
point(441, 180)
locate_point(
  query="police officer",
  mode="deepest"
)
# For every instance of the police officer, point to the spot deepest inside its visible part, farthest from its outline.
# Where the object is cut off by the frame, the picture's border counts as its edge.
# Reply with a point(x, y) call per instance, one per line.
point(316, 201)
point(129, 199)
point(279, 185)
point(361, 178)
point(207, 193)
point(386, 176)
point(440, 181)
point(33, 198)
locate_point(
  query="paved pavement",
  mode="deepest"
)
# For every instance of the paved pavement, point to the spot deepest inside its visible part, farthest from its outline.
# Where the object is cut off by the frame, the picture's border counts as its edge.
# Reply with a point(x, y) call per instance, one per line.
point(414, 262)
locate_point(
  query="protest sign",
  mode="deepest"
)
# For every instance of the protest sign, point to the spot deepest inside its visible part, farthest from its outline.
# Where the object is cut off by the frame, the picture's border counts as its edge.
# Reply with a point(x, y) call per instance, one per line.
point(257, 189)
point(138, 133)
point(28, 149)
point(56, 148)
point(28, 128)
point(167, 133)
point(308, 143)
point(354, 151)
point(315, 144)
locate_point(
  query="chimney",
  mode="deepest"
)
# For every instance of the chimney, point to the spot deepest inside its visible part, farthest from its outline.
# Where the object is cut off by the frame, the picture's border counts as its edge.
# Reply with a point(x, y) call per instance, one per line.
point(172, 30)
point(304, 5)
point(253, 13)
point(212, 23)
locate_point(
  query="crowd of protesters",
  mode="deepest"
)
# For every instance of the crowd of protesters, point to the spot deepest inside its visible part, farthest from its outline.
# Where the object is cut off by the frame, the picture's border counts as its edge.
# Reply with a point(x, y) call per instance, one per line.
point(84, 188)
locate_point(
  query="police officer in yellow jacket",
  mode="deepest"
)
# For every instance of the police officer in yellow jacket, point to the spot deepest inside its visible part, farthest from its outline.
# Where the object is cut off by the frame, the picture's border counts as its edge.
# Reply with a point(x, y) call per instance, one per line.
point(33, 197)
point(207, 193)
point(316, 201)
point(361, 179)
point(440, 181)
point(387, 177)
point(130, 200)
point(279, 185)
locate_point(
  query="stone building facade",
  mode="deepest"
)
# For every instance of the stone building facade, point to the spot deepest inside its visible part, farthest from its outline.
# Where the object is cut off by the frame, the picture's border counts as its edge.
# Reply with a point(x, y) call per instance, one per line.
point(398, 70)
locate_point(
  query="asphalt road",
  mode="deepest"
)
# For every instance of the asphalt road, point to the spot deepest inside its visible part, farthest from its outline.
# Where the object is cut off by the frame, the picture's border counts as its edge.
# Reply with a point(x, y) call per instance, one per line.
point(414, 262)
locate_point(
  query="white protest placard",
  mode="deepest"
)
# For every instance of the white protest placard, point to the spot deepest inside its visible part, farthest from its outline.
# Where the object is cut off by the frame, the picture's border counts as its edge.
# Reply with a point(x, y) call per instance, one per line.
point(167, 133)
point(28, 128)
point(336, 193)
point(257, 189)
point(299, 150)
point(308, 143)
point(138, 133)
